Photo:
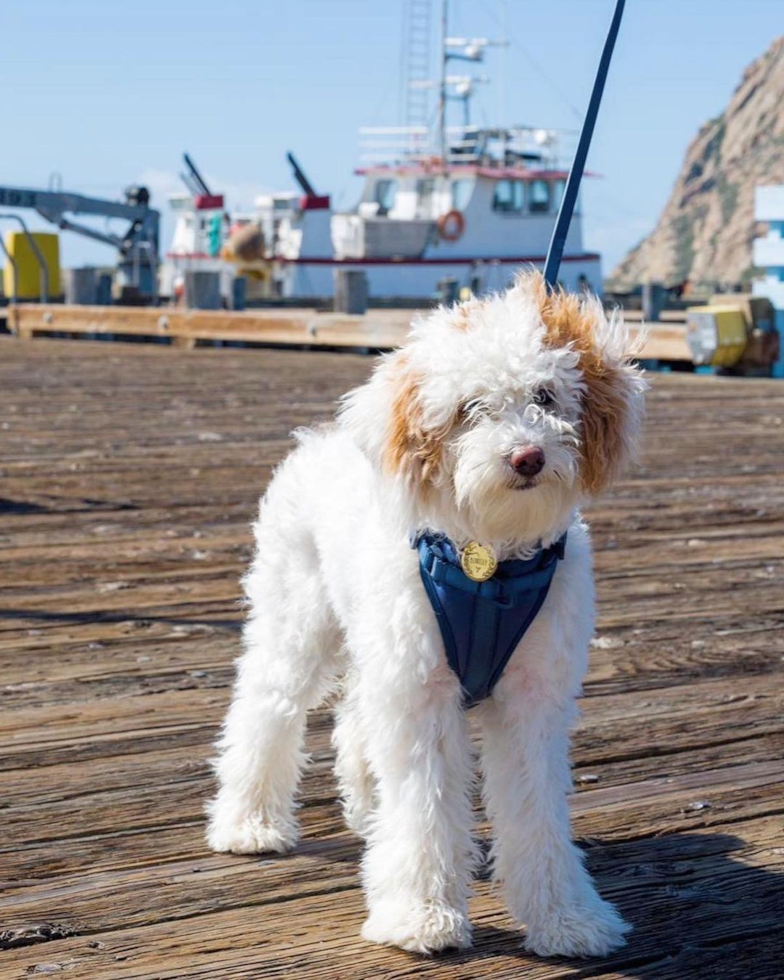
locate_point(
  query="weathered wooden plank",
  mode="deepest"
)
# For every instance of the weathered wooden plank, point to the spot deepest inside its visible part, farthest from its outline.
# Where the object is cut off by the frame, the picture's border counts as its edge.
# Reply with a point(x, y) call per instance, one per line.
point(609, 735)
point(376, 329)
point(145, 894)
point(680, 892)
point(712, 713)
point(89, 661)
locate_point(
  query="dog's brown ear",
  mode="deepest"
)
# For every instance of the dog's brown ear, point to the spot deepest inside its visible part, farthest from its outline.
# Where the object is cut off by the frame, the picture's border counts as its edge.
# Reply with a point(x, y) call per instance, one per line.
point(605, 421)
point(611, 402)
point(413, 448)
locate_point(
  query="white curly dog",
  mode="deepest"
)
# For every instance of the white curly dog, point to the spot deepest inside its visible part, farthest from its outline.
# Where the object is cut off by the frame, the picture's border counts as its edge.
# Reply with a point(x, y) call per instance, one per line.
point(492, 425)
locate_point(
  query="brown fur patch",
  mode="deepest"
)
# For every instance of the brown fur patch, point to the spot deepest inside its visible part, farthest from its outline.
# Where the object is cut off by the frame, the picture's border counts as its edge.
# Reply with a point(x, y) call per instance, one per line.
point(603, 419)
point(567, 321)
point(411, 450)
point(461, 319)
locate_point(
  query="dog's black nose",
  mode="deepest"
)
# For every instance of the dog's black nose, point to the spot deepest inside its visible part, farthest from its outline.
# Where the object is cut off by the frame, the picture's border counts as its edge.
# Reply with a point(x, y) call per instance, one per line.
point(527, 462)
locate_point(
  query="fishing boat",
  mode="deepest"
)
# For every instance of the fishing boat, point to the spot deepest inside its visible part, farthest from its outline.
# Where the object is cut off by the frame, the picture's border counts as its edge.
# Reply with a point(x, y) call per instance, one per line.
point(443, 208)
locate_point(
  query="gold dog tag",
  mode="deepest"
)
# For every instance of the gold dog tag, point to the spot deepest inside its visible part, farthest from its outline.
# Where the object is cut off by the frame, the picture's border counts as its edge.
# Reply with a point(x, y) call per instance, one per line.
point(479, 563)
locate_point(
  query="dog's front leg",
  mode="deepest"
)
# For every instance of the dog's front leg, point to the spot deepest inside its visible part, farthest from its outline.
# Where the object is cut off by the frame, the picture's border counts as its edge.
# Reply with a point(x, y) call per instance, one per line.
point(421, 855)
point(287, 668)
point(527, 779)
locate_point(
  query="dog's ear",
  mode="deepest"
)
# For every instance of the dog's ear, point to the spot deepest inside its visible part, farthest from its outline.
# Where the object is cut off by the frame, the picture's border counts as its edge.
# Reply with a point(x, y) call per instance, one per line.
point(610, 420)
point(414, 449)
point(613, 387)
point(390, 419)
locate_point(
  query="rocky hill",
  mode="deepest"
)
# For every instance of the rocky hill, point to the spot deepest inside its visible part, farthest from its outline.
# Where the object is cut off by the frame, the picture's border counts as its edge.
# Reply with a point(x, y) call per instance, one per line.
point(705, 232)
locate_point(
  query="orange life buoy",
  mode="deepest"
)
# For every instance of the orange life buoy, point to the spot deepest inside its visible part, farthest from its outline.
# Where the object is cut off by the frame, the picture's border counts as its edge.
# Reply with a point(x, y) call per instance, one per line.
point(451, 225)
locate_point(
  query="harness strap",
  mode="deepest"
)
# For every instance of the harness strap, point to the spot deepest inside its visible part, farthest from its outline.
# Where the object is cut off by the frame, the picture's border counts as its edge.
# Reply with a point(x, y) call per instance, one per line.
point(481, 623)
point(504, 592)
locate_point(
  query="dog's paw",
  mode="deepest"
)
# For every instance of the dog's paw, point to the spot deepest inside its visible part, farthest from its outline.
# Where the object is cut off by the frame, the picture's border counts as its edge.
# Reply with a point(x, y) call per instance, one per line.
point(423, 929)
point(251, 836)
point(583, 931)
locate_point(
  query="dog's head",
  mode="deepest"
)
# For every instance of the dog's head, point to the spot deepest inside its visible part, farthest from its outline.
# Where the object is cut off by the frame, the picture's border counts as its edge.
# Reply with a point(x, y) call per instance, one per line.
point(500, 415)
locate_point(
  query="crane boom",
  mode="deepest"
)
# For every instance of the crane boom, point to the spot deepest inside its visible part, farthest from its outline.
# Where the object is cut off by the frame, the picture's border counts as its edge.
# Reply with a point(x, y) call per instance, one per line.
point(299, 174)
point(196, 176)
point(58, 202)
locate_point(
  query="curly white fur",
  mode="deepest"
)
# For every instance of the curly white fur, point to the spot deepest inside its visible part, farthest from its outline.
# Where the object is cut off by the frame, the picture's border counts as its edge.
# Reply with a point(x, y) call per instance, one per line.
point(336, 599)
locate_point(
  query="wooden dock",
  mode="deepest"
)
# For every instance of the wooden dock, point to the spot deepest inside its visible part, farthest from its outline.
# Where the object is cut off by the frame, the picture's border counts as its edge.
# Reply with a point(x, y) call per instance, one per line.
point(130, 474)
point(375, 330)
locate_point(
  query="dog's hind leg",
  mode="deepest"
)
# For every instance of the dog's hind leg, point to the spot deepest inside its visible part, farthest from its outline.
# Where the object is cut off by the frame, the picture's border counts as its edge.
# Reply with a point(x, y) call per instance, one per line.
point(291, 646)
point(357, 785)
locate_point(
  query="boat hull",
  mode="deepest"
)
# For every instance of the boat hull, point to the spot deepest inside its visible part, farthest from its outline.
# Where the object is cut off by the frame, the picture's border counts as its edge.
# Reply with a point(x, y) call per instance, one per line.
point(419, 279)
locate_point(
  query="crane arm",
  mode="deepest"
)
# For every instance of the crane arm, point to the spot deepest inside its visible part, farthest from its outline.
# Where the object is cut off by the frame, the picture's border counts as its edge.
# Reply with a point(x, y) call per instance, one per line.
point(194, 174)
point(299, 174)
point(56, 203)
point(53, 206)
point(107, 238)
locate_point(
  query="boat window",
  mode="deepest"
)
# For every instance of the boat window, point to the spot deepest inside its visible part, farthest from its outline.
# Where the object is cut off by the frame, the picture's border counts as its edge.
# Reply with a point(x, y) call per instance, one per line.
point(384, 195)
point(461, 193)
point(540, 195)
point(509, 196)
point(558, 192)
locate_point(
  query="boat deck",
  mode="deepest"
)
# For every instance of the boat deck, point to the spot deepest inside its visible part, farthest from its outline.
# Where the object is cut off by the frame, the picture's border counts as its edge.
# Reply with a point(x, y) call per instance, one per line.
point(129, 476)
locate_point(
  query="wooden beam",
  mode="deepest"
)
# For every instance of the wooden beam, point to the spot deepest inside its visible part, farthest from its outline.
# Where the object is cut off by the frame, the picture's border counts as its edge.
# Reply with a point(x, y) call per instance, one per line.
point(375, 330)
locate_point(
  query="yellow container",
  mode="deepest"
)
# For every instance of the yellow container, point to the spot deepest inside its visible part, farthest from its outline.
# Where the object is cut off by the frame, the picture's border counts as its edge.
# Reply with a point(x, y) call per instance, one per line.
point(28, 270)
point(717, 335)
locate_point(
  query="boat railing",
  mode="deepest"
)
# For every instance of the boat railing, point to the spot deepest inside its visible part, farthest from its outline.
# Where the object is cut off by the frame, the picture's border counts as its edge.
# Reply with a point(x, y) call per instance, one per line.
point(395, 144)
point(416, 145)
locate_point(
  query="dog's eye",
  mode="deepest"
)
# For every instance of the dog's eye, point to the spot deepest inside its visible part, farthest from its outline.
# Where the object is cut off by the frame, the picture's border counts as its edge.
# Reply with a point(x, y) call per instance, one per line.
point(544, 397)
point(469, 411)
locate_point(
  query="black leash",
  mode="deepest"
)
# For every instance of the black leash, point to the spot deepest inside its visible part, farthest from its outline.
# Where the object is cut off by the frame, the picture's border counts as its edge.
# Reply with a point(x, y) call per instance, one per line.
point(555, 251)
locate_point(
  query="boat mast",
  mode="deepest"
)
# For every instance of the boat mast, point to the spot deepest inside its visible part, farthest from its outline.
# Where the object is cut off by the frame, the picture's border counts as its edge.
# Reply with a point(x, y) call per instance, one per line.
point(442, 98)
point(415, 57)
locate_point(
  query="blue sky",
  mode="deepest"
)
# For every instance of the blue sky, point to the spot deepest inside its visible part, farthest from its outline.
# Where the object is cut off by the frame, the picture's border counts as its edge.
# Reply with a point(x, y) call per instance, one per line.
point(107, 93)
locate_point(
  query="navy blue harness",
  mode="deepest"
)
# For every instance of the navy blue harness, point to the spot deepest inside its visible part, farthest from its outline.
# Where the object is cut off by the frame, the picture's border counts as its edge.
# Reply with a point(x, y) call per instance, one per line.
point(481, 623)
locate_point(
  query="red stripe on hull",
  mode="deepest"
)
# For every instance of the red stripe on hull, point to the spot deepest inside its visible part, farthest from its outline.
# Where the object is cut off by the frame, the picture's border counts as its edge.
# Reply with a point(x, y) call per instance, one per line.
point(460, 260)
